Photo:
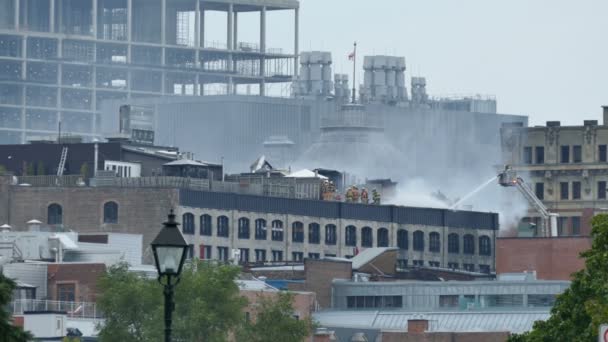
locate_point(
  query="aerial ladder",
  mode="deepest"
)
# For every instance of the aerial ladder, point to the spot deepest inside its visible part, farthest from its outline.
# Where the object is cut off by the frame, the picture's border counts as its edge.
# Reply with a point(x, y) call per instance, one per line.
point(64, 157)
point(508, 177)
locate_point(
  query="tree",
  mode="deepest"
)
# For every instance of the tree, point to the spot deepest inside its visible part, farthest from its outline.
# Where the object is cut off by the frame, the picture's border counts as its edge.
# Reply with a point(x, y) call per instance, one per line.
point(580, 310)
point(8, 332)
point(2, 169)
point(275, 321)
point(40, 169)
point(207, 304)
point(84, 170)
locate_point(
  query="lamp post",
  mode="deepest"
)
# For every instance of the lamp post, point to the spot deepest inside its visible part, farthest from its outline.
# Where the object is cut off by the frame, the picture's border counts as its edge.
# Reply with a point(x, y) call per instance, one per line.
point(169, 248)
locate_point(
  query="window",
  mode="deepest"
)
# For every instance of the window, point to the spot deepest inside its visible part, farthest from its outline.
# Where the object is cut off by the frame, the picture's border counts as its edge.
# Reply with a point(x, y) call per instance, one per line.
point(277, 256)
point(539, 190)
point(453, 243)
point(544, 300)
point(260, 229)
point(576, 190)
point(402, 239)
point(602, 153)
point(244, 228)
point(453, 265)
point(110, 212)
point(540, 154)
point(367, 237)
point(382, 237)
point(54, 214)
point(601, 190)
point(434, 263)
point(330, 234)
point(434, 242)
point(243, 255)
point(314, 255)
point(277, 230)
point(205, 223)
point(577, 154)
point(297, 256)
point(418, 240)
point(369, 302)
point(351, 236)
point(222, 253)
point(297, 232)
point(563, 190)
point(314, 233)
point(222, 226)
point(561, 224)
point(576, 225)
point(449, 301)
point(190, 254)
point(66, 292)
point(188, 223)
point(502, 300)
point(469, 267)
point(205, 252)
point(260, 255)
point(485, 246)
point(565, 154)
point(527, 156)
point(468, 245)
point(418, 262)
point(401, 264)
point(484, 269)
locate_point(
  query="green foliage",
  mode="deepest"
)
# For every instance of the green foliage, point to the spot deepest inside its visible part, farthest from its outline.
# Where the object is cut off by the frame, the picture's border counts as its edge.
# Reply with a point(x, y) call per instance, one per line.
point(2, 169)
point(207, 305)
point(84, 170)
point(40, 169)
point(8, 332)
point(580, 310)
point(275, 322)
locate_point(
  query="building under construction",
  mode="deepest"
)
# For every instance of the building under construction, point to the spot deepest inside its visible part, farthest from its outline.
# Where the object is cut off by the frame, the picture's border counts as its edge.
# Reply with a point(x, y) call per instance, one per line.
point(60, 59)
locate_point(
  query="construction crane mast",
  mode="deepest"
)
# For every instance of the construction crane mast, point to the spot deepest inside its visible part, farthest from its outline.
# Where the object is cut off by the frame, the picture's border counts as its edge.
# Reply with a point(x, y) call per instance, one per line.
point(508, 177)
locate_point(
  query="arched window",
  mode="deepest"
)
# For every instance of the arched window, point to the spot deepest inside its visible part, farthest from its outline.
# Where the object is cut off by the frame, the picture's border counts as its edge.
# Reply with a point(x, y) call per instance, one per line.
point(205, 223)
point(243, 228)
point(382, 240)
point(54, 214)
point(314, 233)
point(260, 229)
point(297, 232)
point(277, 230)
point(485, 247)
point(188, 223)
point(350, 236)
point(468, 244)
point(110, 212)
point(434, 242)
point(418, 240)
point(223, 228)
point(367, 237)
point(453, 243)
point(330, 234)
point(402, 239)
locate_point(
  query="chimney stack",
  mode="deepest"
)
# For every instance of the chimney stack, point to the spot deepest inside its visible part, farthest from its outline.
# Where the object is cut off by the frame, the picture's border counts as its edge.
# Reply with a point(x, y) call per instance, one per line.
point(605, 115)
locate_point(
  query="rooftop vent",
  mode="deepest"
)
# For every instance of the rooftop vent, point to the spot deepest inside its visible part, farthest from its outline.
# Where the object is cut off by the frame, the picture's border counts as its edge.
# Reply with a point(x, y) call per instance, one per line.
point(553, 123)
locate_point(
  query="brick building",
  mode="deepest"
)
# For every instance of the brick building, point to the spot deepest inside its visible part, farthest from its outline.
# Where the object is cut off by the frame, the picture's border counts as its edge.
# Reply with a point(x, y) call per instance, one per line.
point(262, 228)
point(566, 166)
point(552, 259)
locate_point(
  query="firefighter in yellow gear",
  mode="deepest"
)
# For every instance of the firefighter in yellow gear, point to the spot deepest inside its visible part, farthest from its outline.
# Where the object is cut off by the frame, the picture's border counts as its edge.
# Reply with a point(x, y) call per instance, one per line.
point(376, 197)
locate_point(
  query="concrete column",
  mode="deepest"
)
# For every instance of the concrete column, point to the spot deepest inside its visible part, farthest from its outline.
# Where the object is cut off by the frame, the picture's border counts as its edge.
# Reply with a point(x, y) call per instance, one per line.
point(163, 22)
point(25, 22)
point(94, 17)
point(235, 32)
point(51, 15)
point(197, 24)
point(229, 45)
point(263, 50)
point(296, 47)
point(202, 27)
point(17, 14)
point(129, 22)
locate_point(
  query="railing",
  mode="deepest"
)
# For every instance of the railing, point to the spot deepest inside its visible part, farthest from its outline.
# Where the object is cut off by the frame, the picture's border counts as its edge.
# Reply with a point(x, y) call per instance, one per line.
point(72, 309)
point(50, 181)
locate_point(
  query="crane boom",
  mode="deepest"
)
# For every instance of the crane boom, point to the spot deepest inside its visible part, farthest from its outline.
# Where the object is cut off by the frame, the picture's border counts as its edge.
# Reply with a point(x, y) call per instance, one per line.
point(509, 177)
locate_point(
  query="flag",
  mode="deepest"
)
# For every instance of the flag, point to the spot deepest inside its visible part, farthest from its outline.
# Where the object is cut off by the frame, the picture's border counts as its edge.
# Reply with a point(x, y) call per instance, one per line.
point(351, 56)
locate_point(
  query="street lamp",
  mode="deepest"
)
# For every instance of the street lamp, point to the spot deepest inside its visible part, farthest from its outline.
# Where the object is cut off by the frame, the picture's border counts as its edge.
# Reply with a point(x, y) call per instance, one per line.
point(169, 248)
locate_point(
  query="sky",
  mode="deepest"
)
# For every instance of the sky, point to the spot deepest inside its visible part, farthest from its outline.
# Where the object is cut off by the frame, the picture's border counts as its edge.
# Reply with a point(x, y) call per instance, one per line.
point(547, 59)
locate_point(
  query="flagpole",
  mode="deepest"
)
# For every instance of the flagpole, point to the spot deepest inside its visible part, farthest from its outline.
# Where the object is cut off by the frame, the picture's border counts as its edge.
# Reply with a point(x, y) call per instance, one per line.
point(354, 71)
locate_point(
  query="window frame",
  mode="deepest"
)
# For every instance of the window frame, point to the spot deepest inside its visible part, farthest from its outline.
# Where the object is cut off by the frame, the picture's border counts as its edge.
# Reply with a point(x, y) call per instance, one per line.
point(350, 236)
point(244, 228)
point(331, 234)
point(297, 232)
point(468, 244)
point(188, 226)
point(277, 229)
point(261, 230)
point(314, 233)
point(382, 237)
point(110, 212)
point(205, 223)
point(418, 241)
point(54, 213)
point(403, 239)
point(453, 243)
point(367, 237)
point(434, 242)
point(223, 226)
point(485, 245)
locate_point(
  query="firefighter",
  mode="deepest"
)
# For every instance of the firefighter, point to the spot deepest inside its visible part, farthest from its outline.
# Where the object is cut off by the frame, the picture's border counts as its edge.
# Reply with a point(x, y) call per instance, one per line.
point(375, 197)
point(364, 196)
point(349, 194)
point(355, 194)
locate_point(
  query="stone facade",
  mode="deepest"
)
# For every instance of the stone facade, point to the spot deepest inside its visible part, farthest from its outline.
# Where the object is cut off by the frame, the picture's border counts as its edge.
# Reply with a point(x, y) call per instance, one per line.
point(566, 166)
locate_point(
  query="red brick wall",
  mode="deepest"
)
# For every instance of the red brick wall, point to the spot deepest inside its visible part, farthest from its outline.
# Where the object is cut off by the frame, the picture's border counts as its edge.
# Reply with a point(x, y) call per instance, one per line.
point(551, 258)
point(321, 273)
point(84, 276)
